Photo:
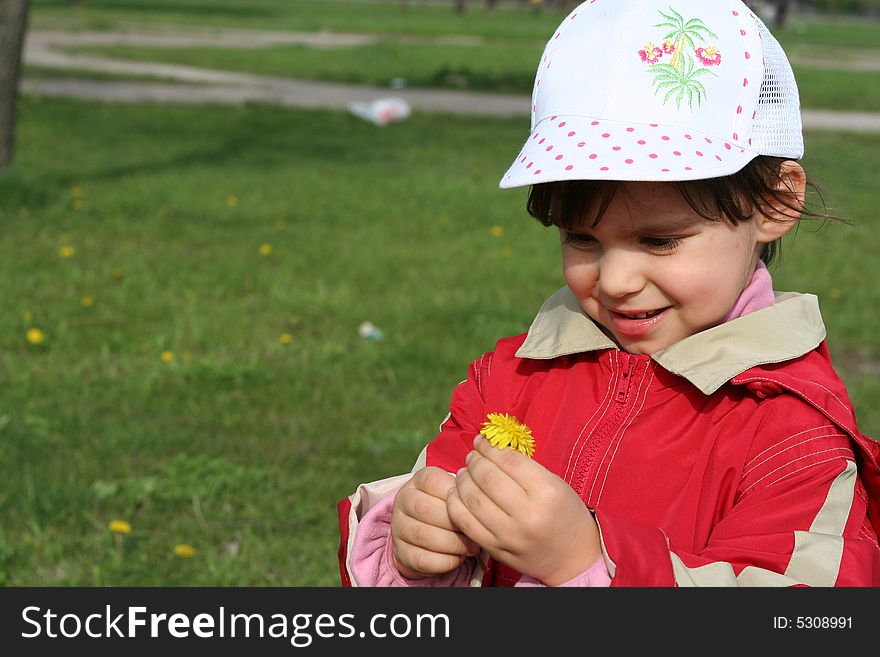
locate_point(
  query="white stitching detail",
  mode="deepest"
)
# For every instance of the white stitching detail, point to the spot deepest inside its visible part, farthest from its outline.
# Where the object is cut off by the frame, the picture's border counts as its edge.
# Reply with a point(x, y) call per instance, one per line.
point(799, 392)
point(759, 454)
point(793, 472)
point(785, 449)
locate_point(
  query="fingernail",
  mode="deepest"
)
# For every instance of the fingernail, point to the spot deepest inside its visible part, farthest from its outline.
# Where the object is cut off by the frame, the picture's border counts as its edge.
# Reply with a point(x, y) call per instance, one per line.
point(461, 470)
point(469, 457)
point(477, 439)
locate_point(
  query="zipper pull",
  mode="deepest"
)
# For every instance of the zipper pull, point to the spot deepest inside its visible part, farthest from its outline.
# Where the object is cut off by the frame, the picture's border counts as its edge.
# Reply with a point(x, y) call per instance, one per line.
point(624, 379)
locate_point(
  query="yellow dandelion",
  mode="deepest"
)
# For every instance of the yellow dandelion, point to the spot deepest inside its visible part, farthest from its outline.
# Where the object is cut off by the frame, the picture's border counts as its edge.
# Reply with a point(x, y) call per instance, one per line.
point(66, 251)
point(119, 527)
point(87, 302)
point(285, 338)
point(231, 200)
point(167, 356)
point(505, 431)
point(496, 231)
point(76, 192)
point(834, 293)
point(35, 336)
point(265, 249)
point(184, 550)
point(78, 204)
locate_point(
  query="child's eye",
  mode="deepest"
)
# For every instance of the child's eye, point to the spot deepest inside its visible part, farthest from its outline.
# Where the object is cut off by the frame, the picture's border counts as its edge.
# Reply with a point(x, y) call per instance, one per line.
point(578, 239)
point(662, 243)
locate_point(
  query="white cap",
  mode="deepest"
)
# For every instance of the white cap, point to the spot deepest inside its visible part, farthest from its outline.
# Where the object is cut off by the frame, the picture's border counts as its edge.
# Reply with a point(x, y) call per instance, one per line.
point(658, 90)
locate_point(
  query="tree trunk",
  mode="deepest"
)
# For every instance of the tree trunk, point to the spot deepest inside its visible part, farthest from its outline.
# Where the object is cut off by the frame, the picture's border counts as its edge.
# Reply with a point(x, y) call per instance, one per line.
point(782, 9)
point(13, 25)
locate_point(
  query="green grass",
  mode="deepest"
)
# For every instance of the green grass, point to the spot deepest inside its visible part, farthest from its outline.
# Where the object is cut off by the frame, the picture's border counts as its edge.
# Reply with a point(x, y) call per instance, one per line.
point(242, 445)
point(499, 53)
point(390, 17)
point(507, 67)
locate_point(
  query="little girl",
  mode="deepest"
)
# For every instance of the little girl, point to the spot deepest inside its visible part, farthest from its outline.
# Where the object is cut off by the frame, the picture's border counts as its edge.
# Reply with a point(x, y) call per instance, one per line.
point(684, 422)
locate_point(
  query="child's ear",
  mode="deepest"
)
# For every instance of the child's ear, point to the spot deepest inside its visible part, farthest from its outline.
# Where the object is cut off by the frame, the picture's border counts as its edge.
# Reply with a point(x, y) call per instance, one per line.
point(781, 214)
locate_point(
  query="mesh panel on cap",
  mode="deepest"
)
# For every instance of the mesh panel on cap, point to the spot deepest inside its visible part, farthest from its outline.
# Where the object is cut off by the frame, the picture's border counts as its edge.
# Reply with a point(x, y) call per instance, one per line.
point(777, 126)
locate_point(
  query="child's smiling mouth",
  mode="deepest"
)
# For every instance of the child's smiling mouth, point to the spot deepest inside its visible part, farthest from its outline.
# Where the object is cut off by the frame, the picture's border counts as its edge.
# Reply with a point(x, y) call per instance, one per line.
point(635, 323)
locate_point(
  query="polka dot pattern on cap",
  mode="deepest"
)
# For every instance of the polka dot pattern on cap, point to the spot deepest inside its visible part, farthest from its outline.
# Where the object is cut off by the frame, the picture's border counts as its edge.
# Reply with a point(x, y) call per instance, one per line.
point(579, 147)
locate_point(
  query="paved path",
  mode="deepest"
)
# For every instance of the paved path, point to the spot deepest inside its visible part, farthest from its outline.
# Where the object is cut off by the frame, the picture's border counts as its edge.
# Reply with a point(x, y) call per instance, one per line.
point(192, 85)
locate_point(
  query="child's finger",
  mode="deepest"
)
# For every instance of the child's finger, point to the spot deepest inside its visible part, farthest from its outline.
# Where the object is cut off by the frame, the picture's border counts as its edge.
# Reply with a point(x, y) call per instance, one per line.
point(413, 561)
point(465, 520)
point(411, 531)
point(517, 466)
point(480, 505)
point(495, 483)
point(426, 508)
point(434, 481)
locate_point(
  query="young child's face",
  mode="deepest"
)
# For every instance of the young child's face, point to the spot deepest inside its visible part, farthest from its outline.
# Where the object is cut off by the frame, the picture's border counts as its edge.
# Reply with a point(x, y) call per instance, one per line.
point(654, 271)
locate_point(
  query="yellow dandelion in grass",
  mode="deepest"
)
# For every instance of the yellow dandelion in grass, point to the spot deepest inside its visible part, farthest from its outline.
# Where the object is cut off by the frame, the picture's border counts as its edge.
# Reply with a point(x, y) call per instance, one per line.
point(87, 302)
point(66, 251)
point(78, 204)
point(265, 249)
point(505, 431)
point(184, 550)
point(834, 293)
point(76, 192)
point(285, 338)
point(119, 527)
point(35, 336)
point(496, 231)
point(231, 200)
point(167, 356)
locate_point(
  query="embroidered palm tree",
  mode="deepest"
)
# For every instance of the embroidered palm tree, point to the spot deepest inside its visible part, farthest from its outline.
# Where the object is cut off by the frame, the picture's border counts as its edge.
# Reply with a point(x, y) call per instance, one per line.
point(683, 33)
point(679, 76)
point(680, 83)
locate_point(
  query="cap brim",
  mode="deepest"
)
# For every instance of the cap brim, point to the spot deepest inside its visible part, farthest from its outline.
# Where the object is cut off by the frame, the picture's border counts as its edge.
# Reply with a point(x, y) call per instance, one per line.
point(588, 148)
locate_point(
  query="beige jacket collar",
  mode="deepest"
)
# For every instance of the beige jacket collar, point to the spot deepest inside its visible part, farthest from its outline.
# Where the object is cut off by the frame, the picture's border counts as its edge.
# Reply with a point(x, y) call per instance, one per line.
point(788, 329)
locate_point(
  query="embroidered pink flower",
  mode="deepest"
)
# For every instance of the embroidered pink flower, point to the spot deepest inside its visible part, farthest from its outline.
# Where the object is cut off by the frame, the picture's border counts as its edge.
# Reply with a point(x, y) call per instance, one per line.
point(710, 56)
point(650, 53)
point(668, 47)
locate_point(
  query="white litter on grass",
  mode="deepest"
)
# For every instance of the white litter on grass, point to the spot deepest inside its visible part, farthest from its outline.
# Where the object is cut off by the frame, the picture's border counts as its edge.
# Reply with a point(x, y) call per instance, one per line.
point(381, 111)
point(368, 331)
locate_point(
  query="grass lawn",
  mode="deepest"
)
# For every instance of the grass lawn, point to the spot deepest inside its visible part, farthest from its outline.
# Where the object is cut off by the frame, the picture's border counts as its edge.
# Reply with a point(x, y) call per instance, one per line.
point(507, 67)
point(493, 52)
point(199, 275)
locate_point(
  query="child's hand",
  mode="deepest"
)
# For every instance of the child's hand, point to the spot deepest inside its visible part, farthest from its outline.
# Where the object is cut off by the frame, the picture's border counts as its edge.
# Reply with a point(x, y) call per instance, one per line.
point(425, 541)
point(524, 515)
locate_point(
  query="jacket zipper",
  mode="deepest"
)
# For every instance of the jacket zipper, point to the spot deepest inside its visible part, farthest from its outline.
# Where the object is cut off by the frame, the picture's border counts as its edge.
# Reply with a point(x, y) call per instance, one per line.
point(623, 382)
point(603, 433)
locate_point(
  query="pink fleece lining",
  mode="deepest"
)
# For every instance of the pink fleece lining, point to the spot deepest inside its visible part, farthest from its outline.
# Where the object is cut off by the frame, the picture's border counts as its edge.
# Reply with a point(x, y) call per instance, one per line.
point(757, 294)
point(371, 560)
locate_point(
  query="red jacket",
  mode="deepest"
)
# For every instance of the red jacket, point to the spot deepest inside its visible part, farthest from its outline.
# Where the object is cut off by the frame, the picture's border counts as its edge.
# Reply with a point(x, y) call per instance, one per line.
point(729, 458)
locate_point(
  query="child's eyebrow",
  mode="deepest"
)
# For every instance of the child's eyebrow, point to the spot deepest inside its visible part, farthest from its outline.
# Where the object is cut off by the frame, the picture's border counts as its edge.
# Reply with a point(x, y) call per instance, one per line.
point(666, 225)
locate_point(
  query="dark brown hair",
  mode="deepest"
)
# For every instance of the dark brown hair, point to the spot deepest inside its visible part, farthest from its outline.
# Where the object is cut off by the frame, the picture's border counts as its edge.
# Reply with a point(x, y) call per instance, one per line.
point(734, 198)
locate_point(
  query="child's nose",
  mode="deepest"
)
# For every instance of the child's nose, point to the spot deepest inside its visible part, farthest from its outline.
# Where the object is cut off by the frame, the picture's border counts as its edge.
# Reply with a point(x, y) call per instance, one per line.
point(620, 273)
